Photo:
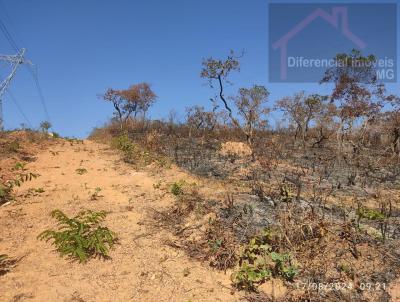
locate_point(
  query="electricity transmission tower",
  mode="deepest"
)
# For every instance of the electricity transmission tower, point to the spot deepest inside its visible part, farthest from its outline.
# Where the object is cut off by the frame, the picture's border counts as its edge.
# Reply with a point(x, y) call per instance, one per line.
point(15, 61)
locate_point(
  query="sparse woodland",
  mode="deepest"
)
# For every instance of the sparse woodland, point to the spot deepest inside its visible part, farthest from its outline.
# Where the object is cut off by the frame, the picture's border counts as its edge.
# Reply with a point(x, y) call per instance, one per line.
point(313, 200)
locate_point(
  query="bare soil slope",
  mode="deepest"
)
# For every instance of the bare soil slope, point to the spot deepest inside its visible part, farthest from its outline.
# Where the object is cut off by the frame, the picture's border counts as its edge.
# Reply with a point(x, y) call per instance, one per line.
point(142, 267)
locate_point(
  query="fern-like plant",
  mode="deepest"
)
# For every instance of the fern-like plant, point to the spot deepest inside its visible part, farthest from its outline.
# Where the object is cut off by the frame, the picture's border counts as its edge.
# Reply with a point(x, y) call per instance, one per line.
point(3, 257)
point(6, 188)
point(6, 264)
point(5, 193)
point(82, 236)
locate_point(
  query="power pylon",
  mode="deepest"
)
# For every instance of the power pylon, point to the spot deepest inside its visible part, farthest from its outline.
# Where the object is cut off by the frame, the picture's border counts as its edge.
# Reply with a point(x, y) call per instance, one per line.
point(15, 61)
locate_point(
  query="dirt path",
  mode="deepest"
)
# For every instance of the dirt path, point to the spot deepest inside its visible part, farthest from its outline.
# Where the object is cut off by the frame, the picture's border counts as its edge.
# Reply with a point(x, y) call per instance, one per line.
point(141, 269)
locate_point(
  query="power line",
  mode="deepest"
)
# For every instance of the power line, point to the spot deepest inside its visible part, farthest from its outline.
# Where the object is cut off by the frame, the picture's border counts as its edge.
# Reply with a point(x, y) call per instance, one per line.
point(5, 30)
point(33, 72)
point(40, 91)
point(13, 99)
point(8, 36)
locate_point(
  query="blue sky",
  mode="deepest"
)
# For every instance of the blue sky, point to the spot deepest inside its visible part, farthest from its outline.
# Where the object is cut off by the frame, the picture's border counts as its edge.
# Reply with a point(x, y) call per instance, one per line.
point(83, 47)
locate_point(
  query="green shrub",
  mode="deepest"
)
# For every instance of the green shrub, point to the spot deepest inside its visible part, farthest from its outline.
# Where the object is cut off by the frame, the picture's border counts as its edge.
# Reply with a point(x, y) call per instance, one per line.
point(249, 275)
point(215, 245)
point(133, 153)
point(19, 166)
point(370, 214)
point(258, 262)
point(82, 236)
point(157, 185)
point(35, 191)
point(283, 266)
point(56, 135)
point(177, 188)
point(39, 190)
point(123, 143)
point(346, 268)
point(81, 171)
point(96, 194)
point(128, 148)
point(6, 188)
point(286, 193)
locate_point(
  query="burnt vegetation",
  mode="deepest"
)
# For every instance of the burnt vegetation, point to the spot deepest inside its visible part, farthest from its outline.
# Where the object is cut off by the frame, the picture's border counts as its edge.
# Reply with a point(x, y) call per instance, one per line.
point(312, 199)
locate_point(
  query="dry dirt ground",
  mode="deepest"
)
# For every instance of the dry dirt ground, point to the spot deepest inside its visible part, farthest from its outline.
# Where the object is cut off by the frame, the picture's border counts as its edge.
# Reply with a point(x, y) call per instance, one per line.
point(142, 267)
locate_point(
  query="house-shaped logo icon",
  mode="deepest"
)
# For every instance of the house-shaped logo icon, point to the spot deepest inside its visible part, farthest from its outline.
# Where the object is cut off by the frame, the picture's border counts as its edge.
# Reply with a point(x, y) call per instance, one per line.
point(338, 19)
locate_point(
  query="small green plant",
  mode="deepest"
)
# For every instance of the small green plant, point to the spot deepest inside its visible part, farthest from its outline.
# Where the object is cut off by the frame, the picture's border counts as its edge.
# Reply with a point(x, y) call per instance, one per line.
point(124, 144)
point(249, 275)
point(258, 262)
point(81, 171)
point(80, 237)
point(22, 177)
point(215, 245)
point(177, 188)
point(283, 267)
point(19, 166)
point(3, 257)
point(253, 263)
point(157, 185)
point(7, 188)
point(39, 190)
point(132, 153)
point(347, 269)
point(96, 195)
point(36, 191)
point(370, 214)
point(286, 193)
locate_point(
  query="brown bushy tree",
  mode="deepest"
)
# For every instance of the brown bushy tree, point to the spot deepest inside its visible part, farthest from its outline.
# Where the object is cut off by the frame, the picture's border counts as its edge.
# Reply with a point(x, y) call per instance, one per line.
point(302, 110)
point(136, 99)
point(357, 92)
point(392, 123)
point(199, 119)
point(250, 103)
